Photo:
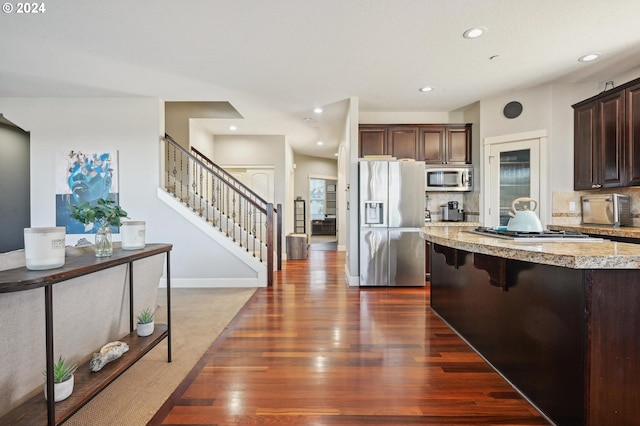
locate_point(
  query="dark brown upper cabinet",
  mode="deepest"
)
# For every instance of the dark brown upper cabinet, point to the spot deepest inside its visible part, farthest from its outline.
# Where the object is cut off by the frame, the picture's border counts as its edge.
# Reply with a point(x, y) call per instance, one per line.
point(445, 144)
point(402, 142)
point(607, 139)
point(632, 133)
point(373, 140)
point(431, 143)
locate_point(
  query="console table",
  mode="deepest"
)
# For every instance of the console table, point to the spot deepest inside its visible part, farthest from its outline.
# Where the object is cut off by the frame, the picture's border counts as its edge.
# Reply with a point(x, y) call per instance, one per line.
point(37, 411)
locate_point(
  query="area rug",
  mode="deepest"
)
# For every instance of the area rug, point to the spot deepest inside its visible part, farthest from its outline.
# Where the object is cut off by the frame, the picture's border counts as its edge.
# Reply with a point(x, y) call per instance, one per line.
point(198, 317)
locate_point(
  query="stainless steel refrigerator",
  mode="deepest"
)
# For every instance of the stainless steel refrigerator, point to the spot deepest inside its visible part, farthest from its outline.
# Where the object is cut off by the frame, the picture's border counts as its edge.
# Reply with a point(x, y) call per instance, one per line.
point(392, 246)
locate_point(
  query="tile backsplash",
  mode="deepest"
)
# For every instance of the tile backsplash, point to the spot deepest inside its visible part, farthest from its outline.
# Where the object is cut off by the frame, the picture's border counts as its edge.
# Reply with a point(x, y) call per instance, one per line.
point(468, 201)
point(561, 200)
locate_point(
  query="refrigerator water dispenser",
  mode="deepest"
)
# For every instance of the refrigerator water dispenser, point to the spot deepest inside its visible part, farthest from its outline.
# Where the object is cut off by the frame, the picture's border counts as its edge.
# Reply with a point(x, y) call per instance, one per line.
point(374, 213)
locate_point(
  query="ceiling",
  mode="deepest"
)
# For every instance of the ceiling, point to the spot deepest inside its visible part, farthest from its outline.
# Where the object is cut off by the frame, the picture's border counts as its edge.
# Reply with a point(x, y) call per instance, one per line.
point(274, 61)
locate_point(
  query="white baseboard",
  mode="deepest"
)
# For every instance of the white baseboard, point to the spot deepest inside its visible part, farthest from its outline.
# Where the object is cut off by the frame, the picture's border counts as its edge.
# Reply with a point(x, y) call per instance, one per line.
point(211, 283)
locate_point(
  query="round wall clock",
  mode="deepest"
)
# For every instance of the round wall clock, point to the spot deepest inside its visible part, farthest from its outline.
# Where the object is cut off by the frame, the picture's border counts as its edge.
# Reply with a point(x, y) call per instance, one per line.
point(512, 110)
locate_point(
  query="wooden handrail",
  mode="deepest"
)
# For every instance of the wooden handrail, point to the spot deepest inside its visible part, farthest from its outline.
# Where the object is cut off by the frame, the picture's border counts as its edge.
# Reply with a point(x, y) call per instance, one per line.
point(215, 194)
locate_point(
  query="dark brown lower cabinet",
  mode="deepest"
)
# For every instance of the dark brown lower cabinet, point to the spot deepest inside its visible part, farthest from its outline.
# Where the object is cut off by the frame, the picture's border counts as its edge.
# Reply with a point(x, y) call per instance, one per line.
point(568, 339)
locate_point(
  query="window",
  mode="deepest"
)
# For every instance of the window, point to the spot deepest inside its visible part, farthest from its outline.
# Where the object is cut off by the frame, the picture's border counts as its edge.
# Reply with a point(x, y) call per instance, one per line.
point(317, 195)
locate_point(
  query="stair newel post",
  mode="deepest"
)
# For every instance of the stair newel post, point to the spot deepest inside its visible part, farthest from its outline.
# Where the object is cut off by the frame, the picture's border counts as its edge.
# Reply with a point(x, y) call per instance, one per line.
point(269, 244)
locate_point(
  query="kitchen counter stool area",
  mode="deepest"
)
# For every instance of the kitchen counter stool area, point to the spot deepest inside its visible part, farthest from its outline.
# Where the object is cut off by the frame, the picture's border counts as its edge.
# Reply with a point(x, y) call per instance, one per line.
point(566, 338)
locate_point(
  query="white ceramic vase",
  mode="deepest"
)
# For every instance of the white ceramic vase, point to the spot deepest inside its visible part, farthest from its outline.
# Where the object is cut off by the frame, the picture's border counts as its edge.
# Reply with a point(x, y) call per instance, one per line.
point(145, 329)
point(61, 391)
point(44, 248)
point(133, 235)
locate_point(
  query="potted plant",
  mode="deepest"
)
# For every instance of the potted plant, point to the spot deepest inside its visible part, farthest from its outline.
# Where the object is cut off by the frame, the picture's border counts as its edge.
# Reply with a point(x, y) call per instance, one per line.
point(103, 214)
point(62, 379)
point(146, 322)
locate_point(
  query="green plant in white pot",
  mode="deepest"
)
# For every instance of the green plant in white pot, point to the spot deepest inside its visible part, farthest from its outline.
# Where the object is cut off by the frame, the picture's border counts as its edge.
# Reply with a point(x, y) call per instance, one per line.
point(103, 214)
point(146, 322)
point(63, 378)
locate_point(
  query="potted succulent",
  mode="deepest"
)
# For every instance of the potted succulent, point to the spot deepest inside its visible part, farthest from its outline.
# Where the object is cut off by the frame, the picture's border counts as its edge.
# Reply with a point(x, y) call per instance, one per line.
point(63, 374)
point(103, 214)
point(146, 322)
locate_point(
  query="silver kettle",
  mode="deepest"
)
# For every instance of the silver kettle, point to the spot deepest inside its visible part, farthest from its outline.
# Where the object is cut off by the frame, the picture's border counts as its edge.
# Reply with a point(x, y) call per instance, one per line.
point(524, 219)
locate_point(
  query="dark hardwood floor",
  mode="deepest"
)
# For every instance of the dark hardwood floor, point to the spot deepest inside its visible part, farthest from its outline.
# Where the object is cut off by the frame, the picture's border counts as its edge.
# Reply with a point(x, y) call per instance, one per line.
point(312, 351)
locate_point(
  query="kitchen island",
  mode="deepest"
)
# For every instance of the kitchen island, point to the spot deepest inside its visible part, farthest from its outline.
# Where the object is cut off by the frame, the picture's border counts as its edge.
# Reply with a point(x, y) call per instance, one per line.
point(627, 234)
point(560, 321)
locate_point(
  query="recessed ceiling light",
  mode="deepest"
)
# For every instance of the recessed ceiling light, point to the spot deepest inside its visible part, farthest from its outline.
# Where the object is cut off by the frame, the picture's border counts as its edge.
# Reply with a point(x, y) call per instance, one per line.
point(474, 32)
point(233, 128)
point(318, 110)
point(335, 155)
point(426, 89)
point(319, 143)
point(588, 58)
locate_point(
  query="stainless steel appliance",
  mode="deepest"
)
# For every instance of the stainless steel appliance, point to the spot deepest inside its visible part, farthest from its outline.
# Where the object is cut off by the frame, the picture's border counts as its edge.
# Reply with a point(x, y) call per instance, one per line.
point(606, 209)
point(546, 236)
point(451, 212)
point(448, 178)
point(392, 205)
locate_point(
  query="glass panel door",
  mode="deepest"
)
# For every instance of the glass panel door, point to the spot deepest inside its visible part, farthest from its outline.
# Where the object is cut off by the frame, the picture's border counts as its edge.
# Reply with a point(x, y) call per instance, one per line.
point(515, 179)
point(514, 173)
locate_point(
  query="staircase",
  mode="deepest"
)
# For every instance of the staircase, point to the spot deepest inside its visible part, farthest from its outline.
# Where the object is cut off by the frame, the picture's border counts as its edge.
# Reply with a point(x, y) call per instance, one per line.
point(224, 203)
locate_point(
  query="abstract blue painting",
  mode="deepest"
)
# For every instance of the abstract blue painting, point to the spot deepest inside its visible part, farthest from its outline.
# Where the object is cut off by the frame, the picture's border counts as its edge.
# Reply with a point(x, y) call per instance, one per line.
point(84, 176)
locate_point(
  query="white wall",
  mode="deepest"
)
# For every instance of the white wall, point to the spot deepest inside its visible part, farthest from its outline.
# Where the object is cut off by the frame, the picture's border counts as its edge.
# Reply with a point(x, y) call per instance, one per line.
point(352, 270)
point(200, 138)
point(132, 126)
point(306, 167)
point(394, 117)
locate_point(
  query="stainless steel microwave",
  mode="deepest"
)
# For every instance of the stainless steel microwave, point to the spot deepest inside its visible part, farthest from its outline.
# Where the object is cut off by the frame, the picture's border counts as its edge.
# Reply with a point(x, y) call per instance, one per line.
point(451, 178)
point(606, 209)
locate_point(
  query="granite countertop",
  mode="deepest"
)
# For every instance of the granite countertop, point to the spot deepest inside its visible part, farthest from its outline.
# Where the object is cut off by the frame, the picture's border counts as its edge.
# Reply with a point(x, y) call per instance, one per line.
point(445, 223)
point(623, 231)
point(603, 254)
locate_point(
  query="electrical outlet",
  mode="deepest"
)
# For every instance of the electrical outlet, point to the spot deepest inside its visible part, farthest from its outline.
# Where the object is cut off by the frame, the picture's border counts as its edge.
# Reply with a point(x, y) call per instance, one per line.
point(572, 206)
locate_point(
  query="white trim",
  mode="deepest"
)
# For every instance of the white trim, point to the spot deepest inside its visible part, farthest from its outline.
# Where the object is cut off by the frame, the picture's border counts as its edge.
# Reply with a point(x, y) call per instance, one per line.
point(545, 195)
point(352, 281)
point(535, 134)
point(211, 283)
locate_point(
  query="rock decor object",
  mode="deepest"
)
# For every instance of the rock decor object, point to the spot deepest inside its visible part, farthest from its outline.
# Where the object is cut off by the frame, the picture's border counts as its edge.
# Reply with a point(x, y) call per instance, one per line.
point(83, 242)
point(109, 352)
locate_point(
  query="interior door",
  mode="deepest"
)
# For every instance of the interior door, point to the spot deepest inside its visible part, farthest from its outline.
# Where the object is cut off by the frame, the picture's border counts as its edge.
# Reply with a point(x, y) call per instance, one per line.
point(514, 172)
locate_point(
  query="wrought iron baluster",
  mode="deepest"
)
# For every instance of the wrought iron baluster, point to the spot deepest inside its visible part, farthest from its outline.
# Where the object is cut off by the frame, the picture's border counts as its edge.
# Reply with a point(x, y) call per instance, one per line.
point(175, 173)
point(208, 196)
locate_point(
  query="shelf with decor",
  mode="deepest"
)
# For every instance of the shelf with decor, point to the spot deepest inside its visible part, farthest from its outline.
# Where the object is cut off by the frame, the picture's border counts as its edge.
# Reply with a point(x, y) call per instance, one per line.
point(37, 410)
point(330, 199)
